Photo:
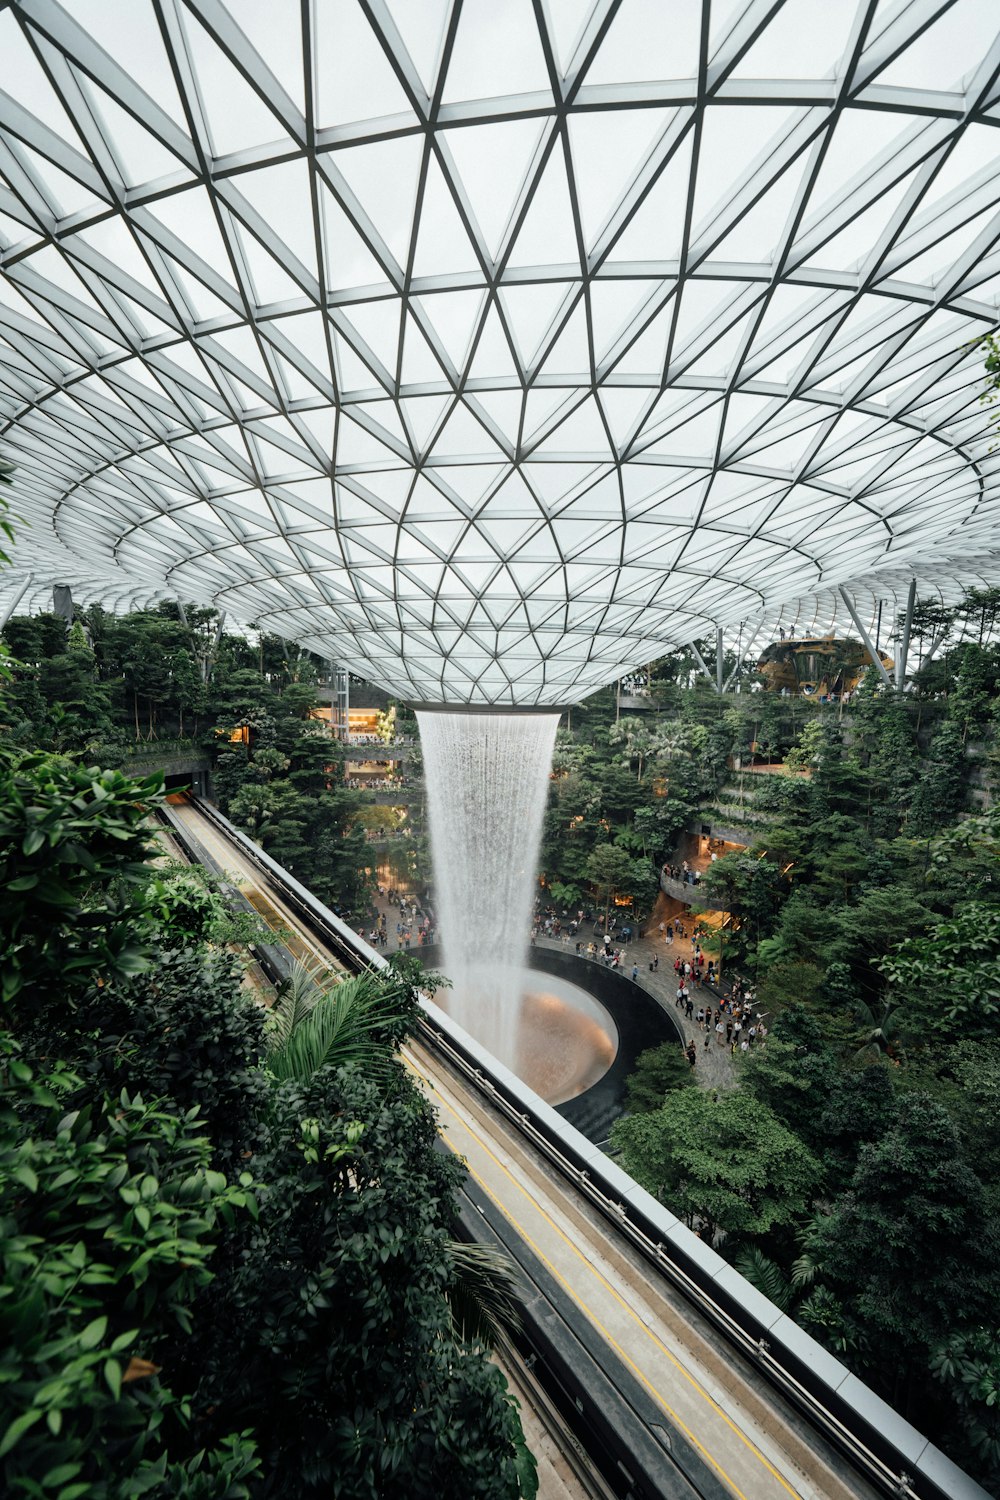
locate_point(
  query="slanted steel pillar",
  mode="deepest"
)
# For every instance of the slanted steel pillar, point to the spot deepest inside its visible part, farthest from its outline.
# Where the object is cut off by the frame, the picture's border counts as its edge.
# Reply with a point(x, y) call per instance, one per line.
point(15, 601)
point(719, 657)
point(701, 661)
point(744, 650)
point(904, 643)
point(876, 659)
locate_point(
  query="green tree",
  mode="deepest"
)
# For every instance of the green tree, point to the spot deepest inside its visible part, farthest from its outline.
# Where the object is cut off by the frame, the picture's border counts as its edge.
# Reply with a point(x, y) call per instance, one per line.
point(911, 1187)
point(723, 1162)
point(968, 1366)
point(108, 1220)
point(610, 869)
point(72, 846)
point(948, 982)
point(656, 1072)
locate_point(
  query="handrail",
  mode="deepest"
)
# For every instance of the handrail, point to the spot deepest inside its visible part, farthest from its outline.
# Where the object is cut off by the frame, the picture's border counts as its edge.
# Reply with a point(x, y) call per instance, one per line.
point(940, 1478)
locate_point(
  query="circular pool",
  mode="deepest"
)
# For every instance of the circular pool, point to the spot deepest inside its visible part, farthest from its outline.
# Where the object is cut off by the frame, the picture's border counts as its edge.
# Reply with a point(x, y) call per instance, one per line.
point(565, 1039)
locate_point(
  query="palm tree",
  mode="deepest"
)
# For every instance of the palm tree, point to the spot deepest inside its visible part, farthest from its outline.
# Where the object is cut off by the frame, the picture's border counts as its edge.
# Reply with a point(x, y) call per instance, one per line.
point(320, 1019)
point(880, 1030)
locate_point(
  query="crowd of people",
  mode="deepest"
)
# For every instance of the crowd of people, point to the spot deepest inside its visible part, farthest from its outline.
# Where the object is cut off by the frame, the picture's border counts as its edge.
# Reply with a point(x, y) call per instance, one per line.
point(684, 872)
point(376, 783)
point(733, 1021)
point(414, 927)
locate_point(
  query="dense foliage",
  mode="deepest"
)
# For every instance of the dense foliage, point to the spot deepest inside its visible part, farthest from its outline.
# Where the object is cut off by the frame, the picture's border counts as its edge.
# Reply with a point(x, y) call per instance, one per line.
point(138, 687)
point(845, 1174)
point(227, 1255)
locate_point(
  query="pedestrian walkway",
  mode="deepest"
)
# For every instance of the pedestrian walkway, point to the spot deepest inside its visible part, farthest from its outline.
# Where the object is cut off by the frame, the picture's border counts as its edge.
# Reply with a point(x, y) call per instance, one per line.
point(715, 1068)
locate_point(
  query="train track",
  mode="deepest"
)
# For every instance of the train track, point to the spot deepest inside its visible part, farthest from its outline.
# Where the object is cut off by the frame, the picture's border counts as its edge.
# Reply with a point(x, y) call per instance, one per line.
point(664, 1388)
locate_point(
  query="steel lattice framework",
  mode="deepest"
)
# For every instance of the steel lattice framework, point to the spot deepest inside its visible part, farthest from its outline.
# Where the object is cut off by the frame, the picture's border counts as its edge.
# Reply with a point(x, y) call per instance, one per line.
point(491, 346)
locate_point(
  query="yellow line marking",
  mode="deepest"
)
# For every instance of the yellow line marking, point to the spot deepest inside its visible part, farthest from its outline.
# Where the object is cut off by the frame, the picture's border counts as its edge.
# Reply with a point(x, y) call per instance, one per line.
point(691, 1379)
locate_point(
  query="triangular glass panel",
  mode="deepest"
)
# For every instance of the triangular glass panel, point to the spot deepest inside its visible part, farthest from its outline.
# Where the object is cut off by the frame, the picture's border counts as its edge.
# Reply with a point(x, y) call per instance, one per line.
point(377, 323)
point(280, 194)
point(461, 436)
point(140, 156)
point(419, 362)
point(492, 162)
point(454, 317)
point(530, 311)
point(802, 40)
point(269, 281)
point(421, 25)
point(645, 356)
point(422, 415)
point(383, 177)
point(614, 304)
point(655, 231)
point(607, 154)
point(64, 195)
point(648, 40)
point(623, 407)
point(497, 51)
point(354, 78)
point(347, 259)
point(732, 141)
point(945, 53)
point(443, 247)
point(352, 372)
point(27, 84)
point(504, 410)
point(760, 231)
point(190, 218)
point(493, 360)
point(548, 235)
point(236, 115)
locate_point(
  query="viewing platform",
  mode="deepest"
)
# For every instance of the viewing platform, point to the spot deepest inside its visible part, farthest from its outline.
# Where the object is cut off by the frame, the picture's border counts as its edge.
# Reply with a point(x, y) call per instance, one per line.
point(687, 892)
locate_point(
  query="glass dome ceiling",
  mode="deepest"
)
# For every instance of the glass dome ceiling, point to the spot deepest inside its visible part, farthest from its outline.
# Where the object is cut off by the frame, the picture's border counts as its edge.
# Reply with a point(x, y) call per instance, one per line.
point(492, 346)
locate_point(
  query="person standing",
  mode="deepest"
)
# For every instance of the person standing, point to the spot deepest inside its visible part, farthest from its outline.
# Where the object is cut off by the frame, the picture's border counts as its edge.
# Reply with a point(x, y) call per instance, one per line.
point(635, 973)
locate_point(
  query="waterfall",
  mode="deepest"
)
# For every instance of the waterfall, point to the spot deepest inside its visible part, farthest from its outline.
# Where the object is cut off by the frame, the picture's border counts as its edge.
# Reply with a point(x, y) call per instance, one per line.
point(487, 779)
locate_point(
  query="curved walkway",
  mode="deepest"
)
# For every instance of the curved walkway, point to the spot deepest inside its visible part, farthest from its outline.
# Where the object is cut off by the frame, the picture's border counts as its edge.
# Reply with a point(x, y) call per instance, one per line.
point(715, 1068)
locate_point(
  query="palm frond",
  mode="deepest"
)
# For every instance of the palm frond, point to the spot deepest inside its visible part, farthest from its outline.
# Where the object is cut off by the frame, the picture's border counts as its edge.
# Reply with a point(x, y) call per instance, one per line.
point(345, 1024)
point(485, 1294)
point(293, 1001)
point(765, 1276)
point(805, 1269)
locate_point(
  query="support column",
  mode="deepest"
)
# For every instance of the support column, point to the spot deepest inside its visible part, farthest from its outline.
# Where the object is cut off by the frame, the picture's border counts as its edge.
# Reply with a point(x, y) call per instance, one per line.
point(341, 706)
point(701, 661)
point(877, 661)
point(719, 659)
point(904, 644)
point(738, 669)
point(15, 601)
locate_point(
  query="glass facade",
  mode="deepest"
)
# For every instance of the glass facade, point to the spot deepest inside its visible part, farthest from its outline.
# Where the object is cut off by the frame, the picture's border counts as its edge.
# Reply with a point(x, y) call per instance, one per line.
point(492, 347)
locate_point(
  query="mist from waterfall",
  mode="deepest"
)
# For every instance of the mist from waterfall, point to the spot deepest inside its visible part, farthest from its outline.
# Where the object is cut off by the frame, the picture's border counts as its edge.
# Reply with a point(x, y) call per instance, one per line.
point(487, 780)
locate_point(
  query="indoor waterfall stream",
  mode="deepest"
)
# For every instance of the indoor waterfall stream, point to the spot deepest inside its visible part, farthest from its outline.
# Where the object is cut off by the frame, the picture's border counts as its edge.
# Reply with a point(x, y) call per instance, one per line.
point(487, 780)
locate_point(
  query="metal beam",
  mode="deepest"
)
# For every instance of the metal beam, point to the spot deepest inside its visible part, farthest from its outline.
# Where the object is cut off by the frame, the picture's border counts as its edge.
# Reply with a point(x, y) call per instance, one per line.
point(701, 661)
point(904, 644)
point(740, 656)
point(10, 608)
point(876, 659)
point(719, 656)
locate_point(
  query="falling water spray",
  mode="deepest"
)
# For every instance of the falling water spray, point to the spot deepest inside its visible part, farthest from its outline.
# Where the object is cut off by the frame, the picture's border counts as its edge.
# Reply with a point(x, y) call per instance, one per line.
point(487, 778)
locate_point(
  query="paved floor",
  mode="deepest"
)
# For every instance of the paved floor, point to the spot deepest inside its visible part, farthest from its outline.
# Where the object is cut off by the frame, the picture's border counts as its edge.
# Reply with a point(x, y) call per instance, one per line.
point(715, 1067)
